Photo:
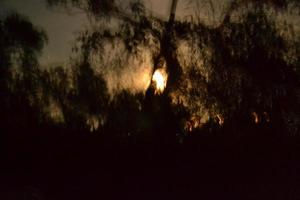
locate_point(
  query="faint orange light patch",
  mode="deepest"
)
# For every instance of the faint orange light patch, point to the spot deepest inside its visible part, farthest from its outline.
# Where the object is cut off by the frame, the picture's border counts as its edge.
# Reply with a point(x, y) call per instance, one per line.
point(220, 119)
point(159, 79)
point(266, 116)
point(188, 126)
point(54, 111)
point(193, 123)
point(255, 117)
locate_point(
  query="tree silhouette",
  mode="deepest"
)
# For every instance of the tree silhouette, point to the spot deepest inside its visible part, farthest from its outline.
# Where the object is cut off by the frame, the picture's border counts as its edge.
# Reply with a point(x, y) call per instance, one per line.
point(21, 43)
point(228, 72)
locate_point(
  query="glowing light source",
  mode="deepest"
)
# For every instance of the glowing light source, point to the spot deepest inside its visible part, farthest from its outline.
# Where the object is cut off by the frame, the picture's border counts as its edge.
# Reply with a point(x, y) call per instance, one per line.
point(159, 79)
point(260, 118)
point(220, 119)
point(255, 117)
point(195, 122)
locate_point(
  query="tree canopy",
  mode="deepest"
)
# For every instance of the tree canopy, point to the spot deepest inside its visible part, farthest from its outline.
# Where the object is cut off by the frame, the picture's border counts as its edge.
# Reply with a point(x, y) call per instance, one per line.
point(242, 72)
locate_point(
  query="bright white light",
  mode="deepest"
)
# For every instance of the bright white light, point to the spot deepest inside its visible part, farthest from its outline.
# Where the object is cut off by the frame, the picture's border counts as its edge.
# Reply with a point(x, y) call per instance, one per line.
point(160, 80)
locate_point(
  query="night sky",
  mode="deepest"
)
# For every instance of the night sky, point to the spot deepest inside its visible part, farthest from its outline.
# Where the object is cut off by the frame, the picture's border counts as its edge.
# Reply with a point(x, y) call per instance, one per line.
point(59, 26)
point(62, 27)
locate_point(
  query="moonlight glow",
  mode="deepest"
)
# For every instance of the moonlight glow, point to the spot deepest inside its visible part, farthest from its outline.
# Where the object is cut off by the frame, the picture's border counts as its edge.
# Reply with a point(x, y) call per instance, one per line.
point(160, 80)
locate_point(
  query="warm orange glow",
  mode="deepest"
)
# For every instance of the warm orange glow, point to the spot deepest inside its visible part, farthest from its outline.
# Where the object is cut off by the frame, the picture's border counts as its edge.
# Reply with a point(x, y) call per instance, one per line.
point(220, 119)
point(193, 123)
point(255, 117)
point(160, 80)
point(93, 123)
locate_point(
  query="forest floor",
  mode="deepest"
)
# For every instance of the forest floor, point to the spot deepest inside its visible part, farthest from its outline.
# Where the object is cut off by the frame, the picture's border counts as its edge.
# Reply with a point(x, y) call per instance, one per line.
point(89, 167)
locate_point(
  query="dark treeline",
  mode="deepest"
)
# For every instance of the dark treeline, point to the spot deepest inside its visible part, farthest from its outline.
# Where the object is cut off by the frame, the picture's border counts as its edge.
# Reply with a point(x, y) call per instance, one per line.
point(66, 135)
